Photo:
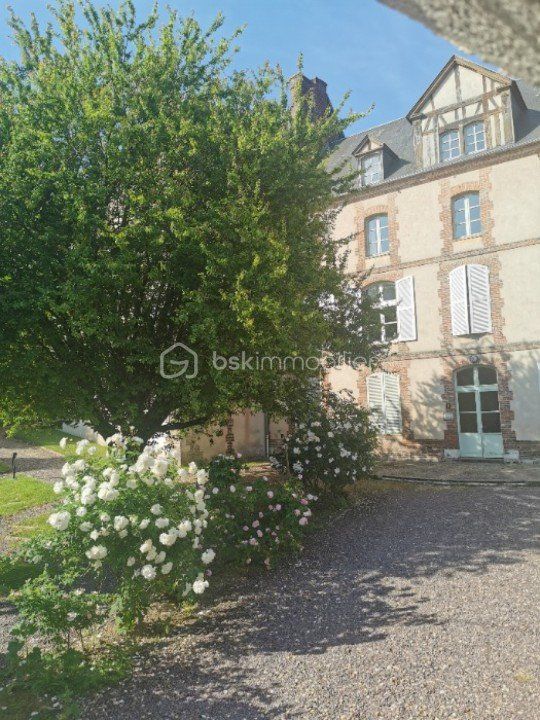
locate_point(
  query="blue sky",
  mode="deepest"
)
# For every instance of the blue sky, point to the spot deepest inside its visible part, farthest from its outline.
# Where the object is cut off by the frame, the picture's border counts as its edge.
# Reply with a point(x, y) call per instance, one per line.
point(379, 55)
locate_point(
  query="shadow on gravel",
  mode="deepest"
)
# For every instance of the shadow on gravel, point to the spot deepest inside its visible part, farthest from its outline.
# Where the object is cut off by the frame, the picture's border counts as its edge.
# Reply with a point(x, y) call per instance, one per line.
point(356, 582)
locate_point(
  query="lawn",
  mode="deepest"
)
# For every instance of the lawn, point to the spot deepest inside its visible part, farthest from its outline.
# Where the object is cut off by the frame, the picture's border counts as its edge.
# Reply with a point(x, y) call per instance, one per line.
point(4, 468)
point(49, 439)
point(22, 493)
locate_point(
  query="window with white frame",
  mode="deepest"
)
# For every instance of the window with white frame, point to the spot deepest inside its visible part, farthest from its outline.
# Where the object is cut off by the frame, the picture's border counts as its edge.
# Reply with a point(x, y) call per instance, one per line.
point(396, 306)
point(466, 215)
point(371, 168)
point(475, 137)
point(449, 145)
point(470, 300)
point(377, 242)
point(384, 401)
point(383, 297)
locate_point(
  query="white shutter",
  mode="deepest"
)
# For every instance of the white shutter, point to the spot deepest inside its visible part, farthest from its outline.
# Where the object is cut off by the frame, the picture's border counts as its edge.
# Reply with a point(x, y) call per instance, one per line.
point(406, 309)
point(479, 298)
point(375, 398)
point(384, 402)
point(392, 403)
point(459, 307)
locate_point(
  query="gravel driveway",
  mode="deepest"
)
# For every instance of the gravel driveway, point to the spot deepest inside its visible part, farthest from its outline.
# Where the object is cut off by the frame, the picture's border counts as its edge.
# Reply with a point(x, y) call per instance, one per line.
point(423, 602)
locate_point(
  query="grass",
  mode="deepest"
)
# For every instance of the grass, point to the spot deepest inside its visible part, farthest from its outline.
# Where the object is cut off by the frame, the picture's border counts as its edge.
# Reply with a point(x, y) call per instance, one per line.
point(21, 493)
point(49, 439)
point(4, 468)
point(14, 572)
point(30, 527)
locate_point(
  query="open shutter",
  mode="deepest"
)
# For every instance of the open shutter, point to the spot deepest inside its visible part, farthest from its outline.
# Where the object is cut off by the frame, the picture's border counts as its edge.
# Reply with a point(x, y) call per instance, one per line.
point(392, 403)
point(459, 308)
point(406, 309)
point(479, 298)
point(375, 398)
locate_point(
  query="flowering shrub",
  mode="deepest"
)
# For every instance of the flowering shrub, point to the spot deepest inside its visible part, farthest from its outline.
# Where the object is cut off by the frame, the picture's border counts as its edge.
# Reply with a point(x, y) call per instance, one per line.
point(331, 448)
point(253, 520)
point(133, 520)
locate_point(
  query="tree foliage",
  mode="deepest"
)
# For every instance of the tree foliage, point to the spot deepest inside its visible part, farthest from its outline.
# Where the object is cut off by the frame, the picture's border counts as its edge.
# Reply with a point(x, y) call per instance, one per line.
point(149, 195)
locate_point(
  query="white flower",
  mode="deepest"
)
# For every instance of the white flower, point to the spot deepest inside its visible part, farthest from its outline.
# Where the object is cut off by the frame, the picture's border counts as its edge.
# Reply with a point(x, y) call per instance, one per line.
point(131, 483)
point(81, 511)
point(120, 522)
point(114, 478)
point(79, 465)
point(59, 520)
point(63, 442)
point(208, 556)
point(146, 546)
point(232, 488)
point(107, 492)
point(81, 446)
point(144, 524)
point(130, 561)
point(58, 487)
point(92, 450)
point(162, 522)
point(148, 572)
point(160, 467)
point(144, 462)
point(166, 569)
point(199, 586)
point(104, 517)
point(156, 509)
point(192, 468)
point(160, 557)
point(122, 533)
point(184, 527)
point(215, 490)
point(152, 554)
point(94, 534)
point(96, 552)
point(183, 474)
point(169, 538)
point(85, 526)
point(202, 477)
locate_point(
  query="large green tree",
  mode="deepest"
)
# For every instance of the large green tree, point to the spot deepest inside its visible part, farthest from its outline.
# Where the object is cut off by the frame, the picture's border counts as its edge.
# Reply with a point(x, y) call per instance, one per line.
point(150, 195)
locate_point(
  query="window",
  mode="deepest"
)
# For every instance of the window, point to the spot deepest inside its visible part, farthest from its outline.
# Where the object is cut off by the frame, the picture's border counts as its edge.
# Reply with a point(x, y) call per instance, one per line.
point(466, 215)
point(383, 297)
point(470, 301)
point(377, 235)
point(475, 138)
point(371, 168)
point(384, 401)
point(449, 145)
point(397, 309)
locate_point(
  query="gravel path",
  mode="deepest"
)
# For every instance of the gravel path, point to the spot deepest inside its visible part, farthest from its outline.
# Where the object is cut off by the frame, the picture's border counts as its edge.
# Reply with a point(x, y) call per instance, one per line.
point(422, 603)
point(31, 459)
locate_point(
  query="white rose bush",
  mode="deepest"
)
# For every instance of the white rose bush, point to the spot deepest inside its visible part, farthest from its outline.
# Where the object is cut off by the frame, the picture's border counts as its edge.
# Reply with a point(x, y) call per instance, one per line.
point(330, 447)
point(133, 522)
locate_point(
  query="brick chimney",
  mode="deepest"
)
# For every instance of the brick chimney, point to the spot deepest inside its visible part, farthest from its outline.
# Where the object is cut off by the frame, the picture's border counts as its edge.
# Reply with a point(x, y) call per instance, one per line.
point(316, 88)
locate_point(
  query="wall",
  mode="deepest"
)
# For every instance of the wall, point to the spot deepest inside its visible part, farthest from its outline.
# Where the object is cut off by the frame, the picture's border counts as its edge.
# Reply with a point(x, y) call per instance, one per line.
point(422, 245)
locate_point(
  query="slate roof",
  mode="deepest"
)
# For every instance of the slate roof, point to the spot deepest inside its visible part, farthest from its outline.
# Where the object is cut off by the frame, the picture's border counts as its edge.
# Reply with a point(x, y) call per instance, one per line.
point(398, 136)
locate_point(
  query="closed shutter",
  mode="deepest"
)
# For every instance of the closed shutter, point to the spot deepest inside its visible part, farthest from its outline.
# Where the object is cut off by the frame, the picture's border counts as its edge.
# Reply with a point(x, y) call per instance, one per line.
point(459, 308)
point(479, 298)
point(406, 309)
point(375, 399)
point(392, 403)
point(384, 402)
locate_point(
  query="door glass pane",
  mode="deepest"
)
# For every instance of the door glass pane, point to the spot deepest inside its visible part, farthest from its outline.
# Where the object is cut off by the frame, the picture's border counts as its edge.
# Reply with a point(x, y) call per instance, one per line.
point(489, 400)
point(466, 376)
point(467, 402)
point(491, 422)
point(487, 375)
point(467, 423)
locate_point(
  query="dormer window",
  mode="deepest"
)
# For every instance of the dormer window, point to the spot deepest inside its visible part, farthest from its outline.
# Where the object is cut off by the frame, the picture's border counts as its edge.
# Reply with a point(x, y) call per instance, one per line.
point(371, 168)
point(475, 137)
point(449, 145)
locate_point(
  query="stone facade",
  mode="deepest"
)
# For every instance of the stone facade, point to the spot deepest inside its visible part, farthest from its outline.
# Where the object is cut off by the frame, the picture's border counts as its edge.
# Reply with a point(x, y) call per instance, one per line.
point(505, 175)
